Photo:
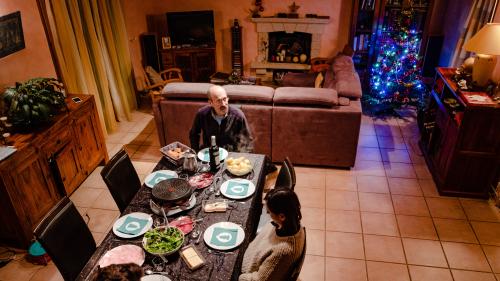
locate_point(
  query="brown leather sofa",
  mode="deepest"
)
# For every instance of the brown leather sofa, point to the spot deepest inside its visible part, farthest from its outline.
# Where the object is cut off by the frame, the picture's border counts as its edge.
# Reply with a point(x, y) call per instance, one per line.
point(309, 125)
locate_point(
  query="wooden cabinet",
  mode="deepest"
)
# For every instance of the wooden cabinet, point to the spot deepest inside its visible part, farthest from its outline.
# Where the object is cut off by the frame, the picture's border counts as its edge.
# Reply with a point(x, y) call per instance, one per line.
point(460, 140)
point(196, 64)
point(48, 164)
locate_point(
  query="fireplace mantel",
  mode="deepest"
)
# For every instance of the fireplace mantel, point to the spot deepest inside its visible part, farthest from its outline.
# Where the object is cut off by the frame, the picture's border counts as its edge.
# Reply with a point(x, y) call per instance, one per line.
point(314, 26)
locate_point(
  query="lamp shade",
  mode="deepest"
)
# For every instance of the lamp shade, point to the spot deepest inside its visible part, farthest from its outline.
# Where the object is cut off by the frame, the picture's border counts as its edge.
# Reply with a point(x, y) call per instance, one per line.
point(486, 40)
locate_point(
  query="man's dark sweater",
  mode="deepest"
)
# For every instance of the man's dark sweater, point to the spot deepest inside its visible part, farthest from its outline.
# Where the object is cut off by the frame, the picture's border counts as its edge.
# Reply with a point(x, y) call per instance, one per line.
point(232, 134)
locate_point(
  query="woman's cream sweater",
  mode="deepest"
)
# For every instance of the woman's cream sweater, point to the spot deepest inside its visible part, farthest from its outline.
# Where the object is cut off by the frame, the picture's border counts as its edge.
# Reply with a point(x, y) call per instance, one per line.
point(270, 257)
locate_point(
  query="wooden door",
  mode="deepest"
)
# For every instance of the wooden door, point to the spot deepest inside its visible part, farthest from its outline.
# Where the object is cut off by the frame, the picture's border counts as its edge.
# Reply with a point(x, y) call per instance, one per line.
point(89, 141)
point(184, 62)
point(69, 167)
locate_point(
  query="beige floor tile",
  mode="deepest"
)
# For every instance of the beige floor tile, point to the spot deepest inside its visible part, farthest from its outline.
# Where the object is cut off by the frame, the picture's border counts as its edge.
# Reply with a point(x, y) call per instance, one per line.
point(487, 232)
point(341, 171)
point(391, 142)
point(386, 121)
point(367, 141)
point(345, 269)
point(424, 273)
point(410, 205)
point(82, 211)
point(384, 248)
point(399, 170)
point(463, 275)
point(313, 218)
point(311, 197)
point(131, 149)
point(416, 158)
point(147, 153)
point(448, 208)
point(372, 184)
point(101, 220)
point(143, 167)
point(465, 256)
point(341, 220)
point(480, 210)
point(388, 130)
point(365, 119)
point(315, 242)
point(105, 201)
point(493, 256)
point(375, 202)
point(85, 197)
point(369, 168)
point(411, 142)
point(152, 140)
point(47, 273)
point(138, 139)
point(116, 137)
point(395, 155)
point(113, 148)
point(94, 180)
point(416, 227)
point(307, 170)
point(341, 182)
point(383, 271)
point(424, 252)
point(404, 186)
point(310, 180)
point(428, 188)
point(342, 200)
point(368, 154)
point(455, 230)
point(381, 224)
point(344, 245)
point(367, 130)
point(313, 268)
point(98, 237)
point(18, 270)
point(422, 171)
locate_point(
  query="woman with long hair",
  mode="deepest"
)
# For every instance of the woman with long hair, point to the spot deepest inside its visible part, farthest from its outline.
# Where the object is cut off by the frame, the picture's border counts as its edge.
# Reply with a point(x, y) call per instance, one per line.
point(279, 245)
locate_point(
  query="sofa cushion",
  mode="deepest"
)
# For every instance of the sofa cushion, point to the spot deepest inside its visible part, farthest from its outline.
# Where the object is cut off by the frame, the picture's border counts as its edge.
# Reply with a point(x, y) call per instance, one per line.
point(305, 96)
point(347, 84)
point(292, 79)
point(343, 63)
point(249, 93)
point(344, 101)
point(186, 90)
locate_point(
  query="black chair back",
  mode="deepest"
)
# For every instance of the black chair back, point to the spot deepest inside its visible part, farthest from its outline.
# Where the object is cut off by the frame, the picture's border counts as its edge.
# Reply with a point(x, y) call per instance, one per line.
point(295, 272)
point(121, 178)
point(284, 178)
point(288, 162)
point(65, 236)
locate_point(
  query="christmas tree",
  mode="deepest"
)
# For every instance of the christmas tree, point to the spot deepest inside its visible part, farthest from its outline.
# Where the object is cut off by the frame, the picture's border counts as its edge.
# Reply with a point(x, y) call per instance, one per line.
point(395, 75)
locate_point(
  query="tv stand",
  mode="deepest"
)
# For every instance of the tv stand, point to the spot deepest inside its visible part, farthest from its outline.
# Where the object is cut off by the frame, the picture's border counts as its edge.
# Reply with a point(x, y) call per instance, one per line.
point(196, 63)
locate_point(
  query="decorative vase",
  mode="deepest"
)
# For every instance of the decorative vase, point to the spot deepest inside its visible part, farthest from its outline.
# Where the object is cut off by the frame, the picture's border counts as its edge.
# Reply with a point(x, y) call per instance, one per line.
point(303, 58)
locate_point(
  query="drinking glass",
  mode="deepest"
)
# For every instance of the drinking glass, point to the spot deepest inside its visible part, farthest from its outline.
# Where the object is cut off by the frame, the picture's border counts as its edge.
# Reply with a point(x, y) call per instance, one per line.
point(158, 264)
point(157, 222)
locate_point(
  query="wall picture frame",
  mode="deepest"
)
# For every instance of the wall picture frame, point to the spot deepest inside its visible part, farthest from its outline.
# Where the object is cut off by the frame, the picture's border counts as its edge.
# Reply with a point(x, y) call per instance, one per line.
point(11, 34)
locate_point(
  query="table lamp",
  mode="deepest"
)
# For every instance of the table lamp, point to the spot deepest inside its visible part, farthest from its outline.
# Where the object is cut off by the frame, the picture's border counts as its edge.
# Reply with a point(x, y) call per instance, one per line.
point(486, 44)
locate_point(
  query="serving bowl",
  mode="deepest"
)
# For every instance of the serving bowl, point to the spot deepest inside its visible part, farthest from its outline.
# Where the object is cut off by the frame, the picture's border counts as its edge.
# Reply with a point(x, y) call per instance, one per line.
point(163, 240)
point(239, 166)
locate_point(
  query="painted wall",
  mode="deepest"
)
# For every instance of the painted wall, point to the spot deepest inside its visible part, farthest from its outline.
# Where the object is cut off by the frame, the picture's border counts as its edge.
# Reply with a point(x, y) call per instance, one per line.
point(34, 60)
point(225, 11)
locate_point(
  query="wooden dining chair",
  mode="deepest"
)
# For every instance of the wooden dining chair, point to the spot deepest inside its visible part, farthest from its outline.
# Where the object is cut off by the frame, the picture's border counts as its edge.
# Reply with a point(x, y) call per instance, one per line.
point(66, 238)
point(288, 162)
point(284, 178)
point(121, 178)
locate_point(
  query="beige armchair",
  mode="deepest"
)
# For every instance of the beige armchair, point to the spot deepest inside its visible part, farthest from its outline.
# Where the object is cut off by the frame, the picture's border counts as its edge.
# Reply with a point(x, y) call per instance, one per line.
point(156, 81)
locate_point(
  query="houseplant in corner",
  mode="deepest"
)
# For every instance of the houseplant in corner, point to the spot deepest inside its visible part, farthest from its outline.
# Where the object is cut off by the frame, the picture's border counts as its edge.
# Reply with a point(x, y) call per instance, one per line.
point(34, 102)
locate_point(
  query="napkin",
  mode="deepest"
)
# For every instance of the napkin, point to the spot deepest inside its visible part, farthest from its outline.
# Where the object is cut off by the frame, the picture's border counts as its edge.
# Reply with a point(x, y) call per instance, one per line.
point(158, 177)
point(224, 237)
point(132, 225)
point(237, 188)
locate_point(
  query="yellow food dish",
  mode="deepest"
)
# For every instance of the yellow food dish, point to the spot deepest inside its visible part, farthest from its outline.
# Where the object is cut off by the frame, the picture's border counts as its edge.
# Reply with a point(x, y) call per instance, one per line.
point(239, 166)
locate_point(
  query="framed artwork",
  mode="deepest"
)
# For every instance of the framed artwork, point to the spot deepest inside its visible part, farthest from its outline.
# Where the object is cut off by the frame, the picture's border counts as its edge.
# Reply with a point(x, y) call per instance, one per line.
point(11, 34)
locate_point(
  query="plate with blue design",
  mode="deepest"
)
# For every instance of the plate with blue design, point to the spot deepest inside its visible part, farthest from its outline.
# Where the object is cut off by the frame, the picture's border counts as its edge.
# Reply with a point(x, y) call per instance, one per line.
point(237, 188)
point(159, 176)
point(224, 235)
point(204, 154)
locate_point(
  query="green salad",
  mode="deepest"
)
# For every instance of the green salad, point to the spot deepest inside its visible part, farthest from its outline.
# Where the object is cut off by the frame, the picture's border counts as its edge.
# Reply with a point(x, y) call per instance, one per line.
point(163, 240)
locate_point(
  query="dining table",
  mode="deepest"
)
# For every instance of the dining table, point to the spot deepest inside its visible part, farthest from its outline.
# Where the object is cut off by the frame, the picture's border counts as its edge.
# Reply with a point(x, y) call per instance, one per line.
point(219, 265)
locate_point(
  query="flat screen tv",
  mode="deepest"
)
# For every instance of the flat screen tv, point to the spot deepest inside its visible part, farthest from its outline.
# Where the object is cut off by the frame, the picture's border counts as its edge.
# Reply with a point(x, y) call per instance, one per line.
point(195, 28)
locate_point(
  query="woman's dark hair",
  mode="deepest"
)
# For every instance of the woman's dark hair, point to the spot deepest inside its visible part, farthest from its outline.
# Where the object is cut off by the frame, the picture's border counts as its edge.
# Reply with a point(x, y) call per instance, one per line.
point(281, 200)
point(120, 272)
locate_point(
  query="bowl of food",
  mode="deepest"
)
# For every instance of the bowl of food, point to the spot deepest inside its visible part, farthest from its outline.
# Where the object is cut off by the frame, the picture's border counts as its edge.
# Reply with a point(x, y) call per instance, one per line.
point(163, 240)
point(174, 152)
point(239, 166)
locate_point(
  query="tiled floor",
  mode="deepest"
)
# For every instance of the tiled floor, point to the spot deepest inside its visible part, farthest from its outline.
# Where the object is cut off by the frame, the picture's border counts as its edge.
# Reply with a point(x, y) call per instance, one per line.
point(382, 220)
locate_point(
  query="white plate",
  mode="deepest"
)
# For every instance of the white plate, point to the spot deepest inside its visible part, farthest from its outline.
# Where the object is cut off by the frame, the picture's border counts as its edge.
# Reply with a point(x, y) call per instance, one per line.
point(138, 215)
point(159, 176)
point(204, 157)
point(123, 254)
point(235, 188)
point(155, 277)
point(224, 236)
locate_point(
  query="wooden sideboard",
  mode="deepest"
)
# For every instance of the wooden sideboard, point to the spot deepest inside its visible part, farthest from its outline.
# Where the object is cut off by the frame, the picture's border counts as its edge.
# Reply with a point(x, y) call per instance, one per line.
point(196, 64)
point(460, 139)
point(49, 163)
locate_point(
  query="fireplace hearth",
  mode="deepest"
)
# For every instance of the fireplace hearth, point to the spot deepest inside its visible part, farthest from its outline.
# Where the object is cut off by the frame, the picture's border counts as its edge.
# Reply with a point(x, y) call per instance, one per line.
point(289, 47)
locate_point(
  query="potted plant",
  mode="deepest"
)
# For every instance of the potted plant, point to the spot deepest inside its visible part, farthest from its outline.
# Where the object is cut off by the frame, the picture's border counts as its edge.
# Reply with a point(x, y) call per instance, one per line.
point(34, 102)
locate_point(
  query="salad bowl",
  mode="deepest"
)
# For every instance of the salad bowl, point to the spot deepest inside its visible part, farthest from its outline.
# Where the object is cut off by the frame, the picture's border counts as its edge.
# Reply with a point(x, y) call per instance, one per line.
point(163, 241)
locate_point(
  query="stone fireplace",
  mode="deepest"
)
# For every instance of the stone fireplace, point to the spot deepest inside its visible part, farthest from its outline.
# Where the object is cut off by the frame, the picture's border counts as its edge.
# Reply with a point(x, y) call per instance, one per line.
point(300, 36)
